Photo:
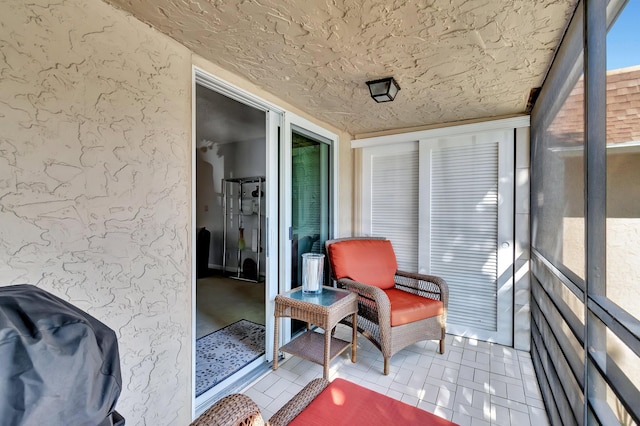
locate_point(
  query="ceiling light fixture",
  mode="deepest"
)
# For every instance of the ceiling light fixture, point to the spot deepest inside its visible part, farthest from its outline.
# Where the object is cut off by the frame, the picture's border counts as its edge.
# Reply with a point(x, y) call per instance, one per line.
point(383, 90)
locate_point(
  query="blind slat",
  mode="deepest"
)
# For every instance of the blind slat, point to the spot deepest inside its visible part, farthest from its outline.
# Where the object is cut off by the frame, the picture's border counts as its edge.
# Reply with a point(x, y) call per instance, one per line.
point(394, 204)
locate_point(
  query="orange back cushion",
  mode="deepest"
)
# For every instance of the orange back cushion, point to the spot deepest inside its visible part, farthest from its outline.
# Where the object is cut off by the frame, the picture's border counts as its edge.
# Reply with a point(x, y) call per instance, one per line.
point(371, 262)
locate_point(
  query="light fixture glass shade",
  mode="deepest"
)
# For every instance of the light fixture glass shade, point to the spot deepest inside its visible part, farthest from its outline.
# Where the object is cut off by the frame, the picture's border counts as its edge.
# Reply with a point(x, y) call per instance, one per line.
point(383, 90)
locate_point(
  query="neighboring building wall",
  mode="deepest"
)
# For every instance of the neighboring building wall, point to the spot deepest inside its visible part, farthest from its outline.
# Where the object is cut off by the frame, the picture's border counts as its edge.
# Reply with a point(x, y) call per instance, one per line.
point(623, 228)
point(94, 184)
point(623, 197)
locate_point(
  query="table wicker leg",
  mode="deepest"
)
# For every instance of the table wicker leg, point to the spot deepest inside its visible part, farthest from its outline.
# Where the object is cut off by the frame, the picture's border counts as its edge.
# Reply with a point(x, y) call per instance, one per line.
point(354, 336)
point(275, 343)
point(327, 351)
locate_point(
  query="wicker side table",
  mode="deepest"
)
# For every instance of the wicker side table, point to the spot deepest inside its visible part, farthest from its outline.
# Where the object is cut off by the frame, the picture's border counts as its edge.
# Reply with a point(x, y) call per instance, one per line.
point(324, 310)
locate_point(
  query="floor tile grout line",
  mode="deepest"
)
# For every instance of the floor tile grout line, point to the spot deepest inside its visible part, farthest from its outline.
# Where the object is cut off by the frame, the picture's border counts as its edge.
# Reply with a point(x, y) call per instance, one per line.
point(410, 382)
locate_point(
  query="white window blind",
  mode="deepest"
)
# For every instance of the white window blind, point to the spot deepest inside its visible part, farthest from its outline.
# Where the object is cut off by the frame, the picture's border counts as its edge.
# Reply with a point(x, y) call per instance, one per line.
point(464, 229)
point(392, 189)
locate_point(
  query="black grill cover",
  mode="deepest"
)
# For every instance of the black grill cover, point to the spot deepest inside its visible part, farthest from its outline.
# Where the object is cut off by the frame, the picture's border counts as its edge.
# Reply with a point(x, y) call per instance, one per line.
point(58, 364)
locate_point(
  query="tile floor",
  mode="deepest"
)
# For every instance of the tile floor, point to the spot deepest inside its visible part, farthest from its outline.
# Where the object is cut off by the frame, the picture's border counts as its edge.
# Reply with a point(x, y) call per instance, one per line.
point(473, 383)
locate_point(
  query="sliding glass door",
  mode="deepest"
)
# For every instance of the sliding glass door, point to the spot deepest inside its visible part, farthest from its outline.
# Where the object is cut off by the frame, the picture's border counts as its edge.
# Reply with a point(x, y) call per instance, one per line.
point(309, 198)
point(308, 202)
point(236, 175)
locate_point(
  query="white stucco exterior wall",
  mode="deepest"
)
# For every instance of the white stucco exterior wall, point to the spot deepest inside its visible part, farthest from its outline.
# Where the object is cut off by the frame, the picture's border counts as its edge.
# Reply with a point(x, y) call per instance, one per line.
point(95, 112)
point(95, 183)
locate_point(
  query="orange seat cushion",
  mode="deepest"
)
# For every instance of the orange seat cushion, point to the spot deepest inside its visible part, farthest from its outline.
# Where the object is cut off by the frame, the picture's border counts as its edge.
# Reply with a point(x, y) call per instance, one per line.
point(408, 307)
point(345, 403)
point(371, 262)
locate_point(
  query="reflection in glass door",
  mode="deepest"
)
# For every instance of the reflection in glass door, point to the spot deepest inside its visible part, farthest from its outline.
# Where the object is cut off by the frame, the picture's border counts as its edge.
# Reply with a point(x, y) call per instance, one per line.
point(307, 207)
point(310, 201)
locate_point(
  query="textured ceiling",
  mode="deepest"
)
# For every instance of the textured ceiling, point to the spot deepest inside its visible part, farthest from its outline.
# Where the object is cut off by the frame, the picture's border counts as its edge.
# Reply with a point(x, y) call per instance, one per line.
point(453, 59)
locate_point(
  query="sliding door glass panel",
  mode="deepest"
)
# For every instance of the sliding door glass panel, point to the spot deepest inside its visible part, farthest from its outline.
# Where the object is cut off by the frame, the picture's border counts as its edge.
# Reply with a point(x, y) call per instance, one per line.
point(310, 203)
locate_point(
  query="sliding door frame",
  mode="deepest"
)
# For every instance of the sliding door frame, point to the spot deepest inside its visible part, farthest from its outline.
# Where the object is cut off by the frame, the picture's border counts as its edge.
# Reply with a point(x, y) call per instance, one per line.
point(292, 122)
point(273, 126)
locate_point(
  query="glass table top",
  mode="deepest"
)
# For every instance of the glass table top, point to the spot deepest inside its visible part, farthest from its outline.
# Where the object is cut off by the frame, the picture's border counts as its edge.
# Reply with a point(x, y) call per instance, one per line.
point(328, 297)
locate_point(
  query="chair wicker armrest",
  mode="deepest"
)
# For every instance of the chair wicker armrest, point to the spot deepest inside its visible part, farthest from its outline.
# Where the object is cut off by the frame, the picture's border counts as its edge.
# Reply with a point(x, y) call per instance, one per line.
point(299, 402)
point(429, 286)
point(232, 410)
point(369, 291)
point(381, 304)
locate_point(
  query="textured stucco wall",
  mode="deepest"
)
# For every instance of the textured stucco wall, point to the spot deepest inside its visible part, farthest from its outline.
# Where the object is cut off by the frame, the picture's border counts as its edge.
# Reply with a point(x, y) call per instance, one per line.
point(95, 144)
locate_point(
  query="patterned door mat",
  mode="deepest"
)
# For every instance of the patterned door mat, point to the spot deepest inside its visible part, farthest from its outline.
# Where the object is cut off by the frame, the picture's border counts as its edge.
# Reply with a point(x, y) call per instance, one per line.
point(225, 351)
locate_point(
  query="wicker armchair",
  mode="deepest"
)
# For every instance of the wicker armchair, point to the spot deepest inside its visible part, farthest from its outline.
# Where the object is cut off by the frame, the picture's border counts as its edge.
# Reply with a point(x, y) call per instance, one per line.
point(240, 410)
point(401, 308)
